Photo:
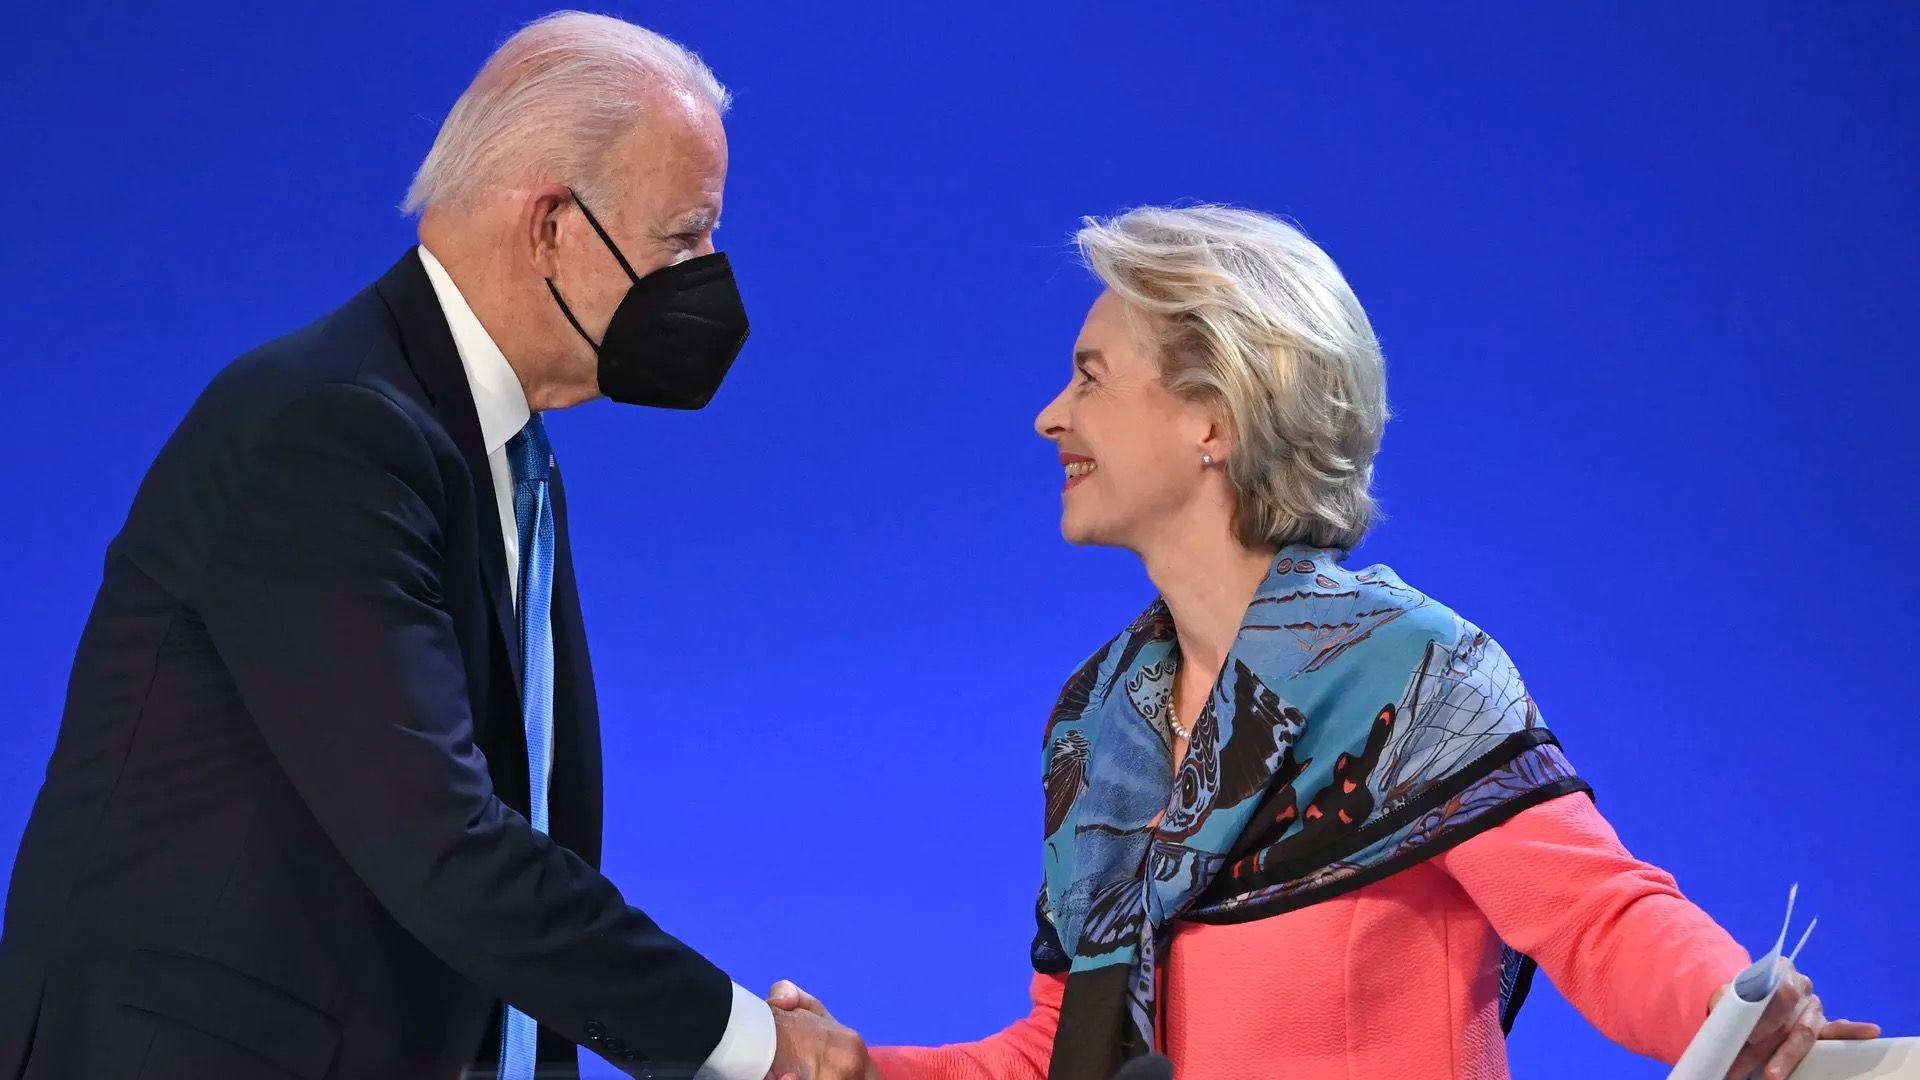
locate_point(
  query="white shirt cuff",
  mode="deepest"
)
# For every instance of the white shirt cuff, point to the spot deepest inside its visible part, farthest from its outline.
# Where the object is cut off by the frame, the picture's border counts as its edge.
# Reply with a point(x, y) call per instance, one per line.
point(746, 1047)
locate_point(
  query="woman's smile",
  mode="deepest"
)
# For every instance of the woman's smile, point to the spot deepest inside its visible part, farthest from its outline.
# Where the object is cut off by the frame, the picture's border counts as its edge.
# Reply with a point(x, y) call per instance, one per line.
point(1077, 468)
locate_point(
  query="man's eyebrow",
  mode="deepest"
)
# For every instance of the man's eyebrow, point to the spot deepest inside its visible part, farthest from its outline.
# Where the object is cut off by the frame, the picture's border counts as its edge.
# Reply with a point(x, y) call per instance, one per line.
point(697, 221)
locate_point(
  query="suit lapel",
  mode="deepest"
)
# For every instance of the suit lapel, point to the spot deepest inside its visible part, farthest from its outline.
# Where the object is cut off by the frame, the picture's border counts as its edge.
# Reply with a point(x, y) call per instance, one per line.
point(430, 350)
point(464, 425)
point(574, 796)
point(436, 364)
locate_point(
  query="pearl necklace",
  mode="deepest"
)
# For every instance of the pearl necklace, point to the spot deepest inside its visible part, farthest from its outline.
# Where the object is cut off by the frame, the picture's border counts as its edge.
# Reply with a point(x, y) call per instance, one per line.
point(1174, 721)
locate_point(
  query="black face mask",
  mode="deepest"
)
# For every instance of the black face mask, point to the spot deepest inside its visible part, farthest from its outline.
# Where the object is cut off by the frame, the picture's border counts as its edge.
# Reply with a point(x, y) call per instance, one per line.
point(674, 335)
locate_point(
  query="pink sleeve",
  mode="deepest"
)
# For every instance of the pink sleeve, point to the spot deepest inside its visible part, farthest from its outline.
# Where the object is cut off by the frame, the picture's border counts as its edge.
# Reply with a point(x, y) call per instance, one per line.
point(1613, 933)
point(1020, 1052)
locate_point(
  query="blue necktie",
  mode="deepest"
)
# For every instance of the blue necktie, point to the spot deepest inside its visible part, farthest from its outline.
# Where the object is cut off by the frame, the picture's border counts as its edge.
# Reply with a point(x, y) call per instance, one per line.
point(530, 455)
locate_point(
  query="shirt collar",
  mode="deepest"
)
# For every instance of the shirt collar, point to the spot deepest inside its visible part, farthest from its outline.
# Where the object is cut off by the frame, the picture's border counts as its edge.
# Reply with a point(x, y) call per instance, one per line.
point(497, 395)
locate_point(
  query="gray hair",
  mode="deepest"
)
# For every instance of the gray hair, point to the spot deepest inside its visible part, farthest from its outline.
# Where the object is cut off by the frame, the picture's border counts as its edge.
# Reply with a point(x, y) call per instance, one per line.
point(550, 102)
point(1249, 315)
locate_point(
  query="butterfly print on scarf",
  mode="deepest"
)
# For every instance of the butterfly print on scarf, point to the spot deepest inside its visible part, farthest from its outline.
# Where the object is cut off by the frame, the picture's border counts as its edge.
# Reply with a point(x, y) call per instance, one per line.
point(1263, 726)
point(1460, 701)
point(1115, 916)
point(1066, 777)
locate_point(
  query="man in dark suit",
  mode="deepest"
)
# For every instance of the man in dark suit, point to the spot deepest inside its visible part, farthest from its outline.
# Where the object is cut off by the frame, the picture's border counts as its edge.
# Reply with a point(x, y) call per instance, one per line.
point(326, 798)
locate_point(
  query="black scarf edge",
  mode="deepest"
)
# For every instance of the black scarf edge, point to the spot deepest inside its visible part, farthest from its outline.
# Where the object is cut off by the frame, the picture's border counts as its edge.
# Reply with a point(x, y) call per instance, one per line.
point(1440, 845)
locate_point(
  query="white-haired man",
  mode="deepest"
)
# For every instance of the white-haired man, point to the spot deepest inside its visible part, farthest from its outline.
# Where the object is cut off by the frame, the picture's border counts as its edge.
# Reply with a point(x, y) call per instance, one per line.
point(325, 800)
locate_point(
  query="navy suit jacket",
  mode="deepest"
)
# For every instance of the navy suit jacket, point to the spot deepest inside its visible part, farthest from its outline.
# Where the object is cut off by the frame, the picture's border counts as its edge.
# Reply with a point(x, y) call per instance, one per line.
point(283, 829)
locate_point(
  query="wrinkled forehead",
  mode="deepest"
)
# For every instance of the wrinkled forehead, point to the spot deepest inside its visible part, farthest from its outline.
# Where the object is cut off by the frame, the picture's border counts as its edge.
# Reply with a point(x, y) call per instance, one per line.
point(671, 169)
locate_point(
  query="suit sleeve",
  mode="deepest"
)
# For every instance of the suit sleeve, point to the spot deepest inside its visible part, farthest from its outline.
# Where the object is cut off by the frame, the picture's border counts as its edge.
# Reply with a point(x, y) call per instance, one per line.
point(1019, 1052)
point(323, 595)
point(1636, 957)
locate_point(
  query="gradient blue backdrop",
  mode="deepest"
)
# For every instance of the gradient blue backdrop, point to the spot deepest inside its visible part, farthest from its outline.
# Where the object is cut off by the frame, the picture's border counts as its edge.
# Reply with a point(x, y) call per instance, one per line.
point(1646, 284)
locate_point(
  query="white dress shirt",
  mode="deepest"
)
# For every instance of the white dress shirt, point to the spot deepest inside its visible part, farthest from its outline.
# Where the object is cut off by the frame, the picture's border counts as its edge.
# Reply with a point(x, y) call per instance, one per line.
point(746, 1047)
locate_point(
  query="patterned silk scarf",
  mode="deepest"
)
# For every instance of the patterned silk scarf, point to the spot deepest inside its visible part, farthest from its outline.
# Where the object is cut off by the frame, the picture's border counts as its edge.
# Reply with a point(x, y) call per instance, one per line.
point(1357, 728)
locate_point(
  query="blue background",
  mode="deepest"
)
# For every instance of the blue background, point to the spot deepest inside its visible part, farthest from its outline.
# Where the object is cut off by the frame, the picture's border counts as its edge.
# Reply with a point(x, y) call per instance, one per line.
point(1646, 283)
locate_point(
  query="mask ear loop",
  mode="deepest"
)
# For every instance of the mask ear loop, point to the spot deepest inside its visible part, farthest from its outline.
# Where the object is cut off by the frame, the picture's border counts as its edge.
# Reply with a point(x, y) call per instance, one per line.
point(611, 246)
point(604, 238)
point(568, 312)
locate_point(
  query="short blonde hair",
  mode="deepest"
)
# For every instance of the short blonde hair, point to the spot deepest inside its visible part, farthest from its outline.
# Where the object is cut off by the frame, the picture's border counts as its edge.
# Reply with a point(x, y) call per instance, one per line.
point(1248, 314)
point(550, 102)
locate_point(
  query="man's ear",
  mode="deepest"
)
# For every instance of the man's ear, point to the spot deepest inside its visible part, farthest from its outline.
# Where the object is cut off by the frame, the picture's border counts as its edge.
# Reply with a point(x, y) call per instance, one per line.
point(544, 211)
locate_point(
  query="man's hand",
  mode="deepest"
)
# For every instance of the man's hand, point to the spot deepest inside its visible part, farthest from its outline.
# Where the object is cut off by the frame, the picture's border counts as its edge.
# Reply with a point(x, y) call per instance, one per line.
point(812, 1045)
point(1787, 1030)
point(789, 1003)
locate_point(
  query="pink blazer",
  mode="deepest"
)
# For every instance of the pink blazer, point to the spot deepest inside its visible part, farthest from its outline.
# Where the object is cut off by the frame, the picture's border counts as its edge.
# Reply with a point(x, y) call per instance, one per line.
point(1400, 979)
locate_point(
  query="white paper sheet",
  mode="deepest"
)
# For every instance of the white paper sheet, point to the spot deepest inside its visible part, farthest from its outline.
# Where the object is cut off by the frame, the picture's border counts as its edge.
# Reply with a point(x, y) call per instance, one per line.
point(1873, 1059)
point(1728, 1027)
point(1719, 1040)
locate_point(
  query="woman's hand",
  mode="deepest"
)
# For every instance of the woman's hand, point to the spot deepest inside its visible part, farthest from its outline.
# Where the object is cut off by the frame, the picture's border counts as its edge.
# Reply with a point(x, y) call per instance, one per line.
point(1787, 1030)
point(789, 997)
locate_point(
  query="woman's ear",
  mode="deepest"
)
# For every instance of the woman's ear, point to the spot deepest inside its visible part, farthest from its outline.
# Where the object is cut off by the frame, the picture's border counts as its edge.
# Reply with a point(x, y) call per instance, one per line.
point(1217, 443)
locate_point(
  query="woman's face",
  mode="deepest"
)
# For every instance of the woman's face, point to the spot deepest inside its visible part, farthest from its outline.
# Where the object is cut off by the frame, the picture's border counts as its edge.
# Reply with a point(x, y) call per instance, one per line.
point(1130, 449)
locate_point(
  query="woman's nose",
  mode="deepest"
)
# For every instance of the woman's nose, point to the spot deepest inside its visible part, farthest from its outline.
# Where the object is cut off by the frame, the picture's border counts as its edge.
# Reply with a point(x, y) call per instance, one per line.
point(1052, 421)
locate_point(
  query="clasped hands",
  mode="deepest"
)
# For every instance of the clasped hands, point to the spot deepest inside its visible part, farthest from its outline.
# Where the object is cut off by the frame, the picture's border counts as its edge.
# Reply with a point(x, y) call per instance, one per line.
point(811, 1044)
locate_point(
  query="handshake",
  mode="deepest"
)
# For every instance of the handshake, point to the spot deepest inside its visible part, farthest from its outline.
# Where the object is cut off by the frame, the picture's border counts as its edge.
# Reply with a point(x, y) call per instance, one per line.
point(811, 1044)
point(814, 1046)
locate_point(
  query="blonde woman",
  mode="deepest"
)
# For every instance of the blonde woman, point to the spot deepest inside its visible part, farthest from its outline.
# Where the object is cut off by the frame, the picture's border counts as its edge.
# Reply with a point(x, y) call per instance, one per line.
point(1301, 819)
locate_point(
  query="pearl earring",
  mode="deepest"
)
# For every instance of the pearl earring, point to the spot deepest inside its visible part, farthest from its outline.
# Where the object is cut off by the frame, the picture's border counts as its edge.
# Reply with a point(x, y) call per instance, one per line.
point(1206, 460)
